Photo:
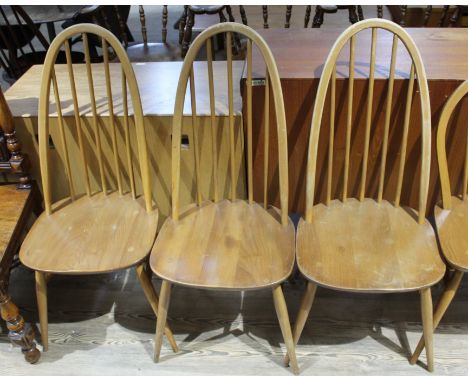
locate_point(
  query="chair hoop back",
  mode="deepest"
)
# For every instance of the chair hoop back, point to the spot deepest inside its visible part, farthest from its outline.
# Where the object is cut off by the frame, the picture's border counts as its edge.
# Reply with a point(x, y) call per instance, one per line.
point(128, 79)
point(329, 73)
point(272, 77)
point(444, 119)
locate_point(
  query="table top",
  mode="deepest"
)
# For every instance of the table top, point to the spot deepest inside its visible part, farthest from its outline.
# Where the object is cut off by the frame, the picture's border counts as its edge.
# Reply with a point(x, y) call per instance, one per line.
point(301, 53)
point(45, 13)
point(157, 82)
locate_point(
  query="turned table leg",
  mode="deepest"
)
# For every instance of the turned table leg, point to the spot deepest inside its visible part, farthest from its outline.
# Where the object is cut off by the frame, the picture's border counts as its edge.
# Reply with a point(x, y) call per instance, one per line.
point(20, 333)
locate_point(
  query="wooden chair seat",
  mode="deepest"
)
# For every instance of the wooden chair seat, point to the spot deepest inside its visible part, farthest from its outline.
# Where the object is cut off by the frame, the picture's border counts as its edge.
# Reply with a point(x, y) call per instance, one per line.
point(91, 235)
point(369, 247)
point(232, 245)
point(153, 52)
point(452, 228)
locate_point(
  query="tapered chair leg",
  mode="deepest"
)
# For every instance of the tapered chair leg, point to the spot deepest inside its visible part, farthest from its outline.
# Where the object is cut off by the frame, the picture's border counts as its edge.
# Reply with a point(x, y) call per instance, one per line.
point(442, 305)
point(283, 318)
point(428, 326)
point(163, 306)
point(41, 295)
point(304, 309)
point(152, 297)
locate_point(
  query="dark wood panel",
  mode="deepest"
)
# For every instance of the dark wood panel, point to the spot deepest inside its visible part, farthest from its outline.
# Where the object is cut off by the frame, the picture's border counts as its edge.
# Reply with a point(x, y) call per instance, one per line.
point(299, 90)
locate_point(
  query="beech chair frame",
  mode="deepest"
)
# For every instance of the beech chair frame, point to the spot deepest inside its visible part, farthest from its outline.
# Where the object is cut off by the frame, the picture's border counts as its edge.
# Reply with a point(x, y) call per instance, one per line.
point(282, 221)
point(328, 82)
point(449, 201)
point(115, 198)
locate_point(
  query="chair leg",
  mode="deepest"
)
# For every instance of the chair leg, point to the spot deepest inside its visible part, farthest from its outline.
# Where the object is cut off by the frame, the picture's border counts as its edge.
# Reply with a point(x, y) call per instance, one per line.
point(442, 306)
point(283, 318)
point(163, 306)
point(353, 17)
point(152, 297)
point(41, 294)
point(317, 21)
point(182, 22)
point(304, 309)
point(188, 32)
point(428, 326)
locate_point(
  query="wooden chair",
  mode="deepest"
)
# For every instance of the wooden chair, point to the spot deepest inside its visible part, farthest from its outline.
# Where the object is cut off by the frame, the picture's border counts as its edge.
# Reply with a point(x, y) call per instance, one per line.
point(287, 21)
point(22, 45)
point(367, 245)
point(450, 215)
point(227, 244)
point(448, 17)
point(188, 21)
point(19, 202)
point(105, 225)
point(153, 51)
point(321, 10)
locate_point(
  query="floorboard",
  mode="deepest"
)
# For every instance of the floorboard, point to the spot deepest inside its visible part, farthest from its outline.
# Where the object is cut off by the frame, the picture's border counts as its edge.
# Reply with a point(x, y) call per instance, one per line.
point(102, 325)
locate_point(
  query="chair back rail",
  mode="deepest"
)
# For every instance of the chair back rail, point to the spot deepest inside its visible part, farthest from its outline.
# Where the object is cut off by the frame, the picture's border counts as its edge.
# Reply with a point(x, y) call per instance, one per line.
point(328, 80)
point(444, 119)
point(273, 85)
point(102, 125)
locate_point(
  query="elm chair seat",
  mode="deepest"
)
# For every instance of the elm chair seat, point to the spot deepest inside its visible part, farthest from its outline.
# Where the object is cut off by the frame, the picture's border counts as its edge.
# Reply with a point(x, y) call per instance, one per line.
point(238, 246)
point(369, 247)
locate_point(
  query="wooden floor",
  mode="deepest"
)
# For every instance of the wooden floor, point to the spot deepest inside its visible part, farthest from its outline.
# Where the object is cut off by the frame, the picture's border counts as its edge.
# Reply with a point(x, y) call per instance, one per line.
point(103, 325)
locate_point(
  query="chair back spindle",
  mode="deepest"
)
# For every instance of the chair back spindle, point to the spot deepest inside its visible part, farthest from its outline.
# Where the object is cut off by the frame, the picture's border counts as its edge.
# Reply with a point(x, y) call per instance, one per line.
point(328, 84)
point(114, 177)
point(272, 84)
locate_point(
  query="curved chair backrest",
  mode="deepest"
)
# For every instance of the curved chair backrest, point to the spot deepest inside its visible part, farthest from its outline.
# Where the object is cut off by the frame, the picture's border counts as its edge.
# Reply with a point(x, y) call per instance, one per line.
point(272, 80)
point(329, 78)
point(102, 125)
point(447, 112)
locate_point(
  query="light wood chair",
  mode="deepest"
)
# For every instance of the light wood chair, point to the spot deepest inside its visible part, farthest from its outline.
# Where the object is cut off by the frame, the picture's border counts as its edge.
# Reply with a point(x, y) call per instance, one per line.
point(367, 245)
point(450, 215)
point(227, 244)
point(105, 225)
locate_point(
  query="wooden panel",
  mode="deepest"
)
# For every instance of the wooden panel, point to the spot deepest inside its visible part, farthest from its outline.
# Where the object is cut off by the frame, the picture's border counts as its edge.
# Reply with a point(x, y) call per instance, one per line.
point(439, 48)
point(300, 71)
point(157, 82)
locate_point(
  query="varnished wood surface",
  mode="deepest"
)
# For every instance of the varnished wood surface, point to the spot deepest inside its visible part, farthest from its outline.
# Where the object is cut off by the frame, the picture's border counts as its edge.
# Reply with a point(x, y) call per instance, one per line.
point(12, 203)
point(452, 226)
point(229, 245)
point(157, 83)
point(368, 247)
point(300, 53)
point(103, 325)
point(91, 235)
point(300, 69)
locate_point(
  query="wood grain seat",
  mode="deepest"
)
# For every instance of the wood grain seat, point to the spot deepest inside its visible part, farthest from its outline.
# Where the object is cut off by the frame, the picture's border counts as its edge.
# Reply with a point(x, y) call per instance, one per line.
point(239, 246)
point(369, 247)
point(91, 235)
